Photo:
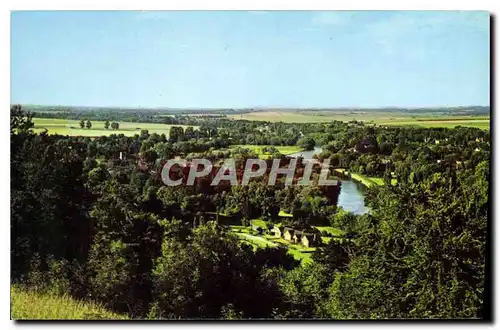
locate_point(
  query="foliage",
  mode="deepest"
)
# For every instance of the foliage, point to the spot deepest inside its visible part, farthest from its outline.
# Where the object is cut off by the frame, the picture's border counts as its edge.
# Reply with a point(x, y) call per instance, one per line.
point(90, 224)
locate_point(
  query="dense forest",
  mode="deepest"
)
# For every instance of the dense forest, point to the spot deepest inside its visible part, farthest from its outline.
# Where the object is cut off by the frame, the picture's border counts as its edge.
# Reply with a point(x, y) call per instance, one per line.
point(90, 216)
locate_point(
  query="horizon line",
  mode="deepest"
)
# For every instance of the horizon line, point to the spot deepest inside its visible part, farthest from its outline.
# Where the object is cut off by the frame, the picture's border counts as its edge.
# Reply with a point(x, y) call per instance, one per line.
point(392, 107)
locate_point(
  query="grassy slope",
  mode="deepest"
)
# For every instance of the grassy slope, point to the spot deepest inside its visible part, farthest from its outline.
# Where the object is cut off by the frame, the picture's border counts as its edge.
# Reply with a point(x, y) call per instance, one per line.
point(72, 127)
point(26, 305)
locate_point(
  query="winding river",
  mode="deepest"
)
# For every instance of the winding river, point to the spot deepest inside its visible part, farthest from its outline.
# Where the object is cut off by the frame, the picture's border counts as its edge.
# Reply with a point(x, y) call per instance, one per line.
point(351, 196)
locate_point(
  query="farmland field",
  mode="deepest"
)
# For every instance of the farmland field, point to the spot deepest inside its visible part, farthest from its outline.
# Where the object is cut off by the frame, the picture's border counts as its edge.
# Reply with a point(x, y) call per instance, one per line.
point(72, 127)
point(379, 118)
point(479, 123)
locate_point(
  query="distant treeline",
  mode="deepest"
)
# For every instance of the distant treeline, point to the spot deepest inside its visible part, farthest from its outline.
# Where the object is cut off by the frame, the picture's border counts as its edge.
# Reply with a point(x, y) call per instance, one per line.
point(470, 110)
point(141, 116)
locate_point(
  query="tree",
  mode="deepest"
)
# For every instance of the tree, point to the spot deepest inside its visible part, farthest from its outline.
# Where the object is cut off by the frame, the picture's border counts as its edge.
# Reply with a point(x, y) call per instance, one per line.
point(418, 261)
point(125, 242)
point(176, 134)
point(20, 121)
point(240, 195)
point(47, 196)
point(306, 143)
point(149, 156)
point(189, 133)
point(144, 134)
point(303, 289)
point(89, 124)
point(387, 176)
point(202, 277)
point(82, 123)
point(334, 256)
point(106, 124)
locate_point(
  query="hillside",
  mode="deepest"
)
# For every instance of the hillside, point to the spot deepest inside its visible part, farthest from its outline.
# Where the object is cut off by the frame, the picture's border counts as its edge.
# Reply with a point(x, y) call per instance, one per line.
point(29, 305)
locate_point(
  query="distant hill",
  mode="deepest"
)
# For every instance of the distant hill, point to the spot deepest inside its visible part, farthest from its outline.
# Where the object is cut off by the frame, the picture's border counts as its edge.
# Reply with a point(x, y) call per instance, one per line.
point(462, 110)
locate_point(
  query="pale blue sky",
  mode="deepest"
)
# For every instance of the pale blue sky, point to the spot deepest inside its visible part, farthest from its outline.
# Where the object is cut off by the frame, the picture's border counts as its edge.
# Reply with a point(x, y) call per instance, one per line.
point(250, 59)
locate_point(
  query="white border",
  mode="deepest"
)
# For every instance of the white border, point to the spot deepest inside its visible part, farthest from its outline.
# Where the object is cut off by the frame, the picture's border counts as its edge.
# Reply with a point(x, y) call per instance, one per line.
point(251, 5)
point(9, 5)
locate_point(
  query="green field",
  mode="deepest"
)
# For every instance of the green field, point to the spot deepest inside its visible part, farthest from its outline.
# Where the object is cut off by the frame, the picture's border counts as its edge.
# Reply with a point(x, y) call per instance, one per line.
point(479, 123)
point(29, 305)
point(256, 240)
point(72, 127)
point(259, 223)
point(366, 180)
point(379, 118)
point(299, 252)
point(285, 150)
point(284, 214)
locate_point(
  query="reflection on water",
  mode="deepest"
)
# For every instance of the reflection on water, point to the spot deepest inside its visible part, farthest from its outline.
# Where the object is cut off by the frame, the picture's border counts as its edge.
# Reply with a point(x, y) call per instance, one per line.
point(308, 154)
point(351, 196)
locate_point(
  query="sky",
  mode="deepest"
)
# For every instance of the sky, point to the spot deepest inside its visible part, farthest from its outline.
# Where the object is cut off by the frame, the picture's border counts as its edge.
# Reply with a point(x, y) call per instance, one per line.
point(233, 59)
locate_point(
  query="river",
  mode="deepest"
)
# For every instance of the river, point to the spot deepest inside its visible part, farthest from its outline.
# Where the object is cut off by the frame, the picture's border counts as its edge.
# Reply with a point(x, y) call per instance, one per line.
point(351, 196)
point(308, 154)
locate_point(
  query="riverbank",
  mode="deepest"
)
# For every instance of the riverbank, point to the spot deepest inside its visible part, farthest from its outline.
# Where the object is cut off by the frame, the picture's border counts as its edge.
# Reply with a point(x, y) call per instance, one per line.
point(367, 181)
point(306, 154)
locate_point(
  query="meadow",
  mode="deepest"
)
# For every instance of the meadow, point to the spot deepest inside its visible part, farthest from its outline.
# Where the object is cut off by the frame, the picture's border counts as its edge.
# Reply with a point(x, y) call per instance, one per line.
point(72, 127)
point(285, 150)
point(32, 305)
point(378, 118)
point(365, 180)
point(299, 252)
